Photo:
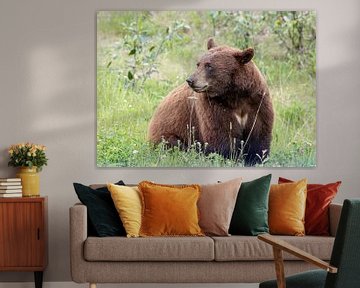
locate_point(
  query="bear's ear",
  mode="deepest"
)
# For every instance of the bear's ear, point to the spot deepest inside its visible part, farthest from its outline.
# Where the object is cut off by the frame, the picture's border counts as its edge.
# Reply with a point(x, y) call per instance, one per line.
point(244, 56)
point(211, 43)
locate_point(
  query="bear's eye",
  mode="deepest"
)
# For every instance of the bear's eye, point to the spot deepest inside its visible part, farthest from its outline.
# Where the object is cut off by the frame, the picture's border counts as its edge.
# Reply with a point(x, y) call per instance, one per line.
point(208, 66)
point(198, 64)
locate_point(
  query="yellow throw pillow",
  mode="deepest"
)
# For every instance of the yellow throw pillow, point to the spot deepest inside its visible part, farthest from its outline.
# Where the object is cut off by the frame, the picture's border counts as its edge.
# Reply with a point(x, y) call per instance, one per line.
point(127, 201)
point(287, 204)
point(169, 210)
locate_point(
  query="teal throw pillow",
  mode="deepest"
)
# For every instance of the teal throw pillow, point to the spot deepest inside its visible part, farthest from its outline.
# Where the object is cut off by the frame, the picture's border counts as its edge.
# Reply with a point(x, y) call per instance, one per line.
point(250, 216)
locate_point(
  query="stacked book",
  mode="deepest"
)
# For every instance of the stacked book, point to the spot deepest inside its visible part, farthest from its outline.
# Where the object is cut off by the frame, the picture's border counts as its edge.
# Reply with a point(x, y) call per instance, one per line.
point(10, 187)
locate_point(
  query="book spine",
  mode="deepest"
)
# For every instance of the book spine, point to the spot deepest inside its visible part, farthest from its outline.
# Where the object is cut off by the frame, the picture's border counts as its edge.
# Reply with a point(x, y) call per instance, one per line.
point(10, 183)
point(10, 191)
point(10, 179)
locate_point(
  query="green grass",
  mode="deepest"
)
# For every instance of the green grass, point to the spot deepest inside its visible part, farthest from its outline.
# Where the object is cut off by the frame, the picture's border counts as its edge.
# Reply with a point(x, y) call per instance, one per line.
point(168, 45)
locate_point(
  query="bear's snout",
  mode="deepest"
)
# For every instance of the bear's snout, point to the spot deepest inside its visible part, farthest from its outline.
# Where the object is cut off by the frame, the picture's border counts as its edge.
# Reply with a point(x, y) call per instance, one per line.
point(196, 85)
point(190, 81)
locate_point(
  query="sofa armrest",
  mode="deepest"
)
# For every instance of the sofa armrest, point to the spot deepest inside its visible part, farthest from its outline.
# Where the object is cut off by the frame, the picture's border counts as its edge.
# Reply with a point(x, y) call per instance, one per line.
point(78, 235)
point(334, 217)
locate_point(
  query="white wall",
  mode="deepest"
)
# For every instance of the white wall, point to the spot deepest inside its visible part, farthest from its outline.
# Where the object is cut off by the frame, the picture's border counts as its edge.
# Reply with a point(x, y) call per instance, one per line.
point(47, 90)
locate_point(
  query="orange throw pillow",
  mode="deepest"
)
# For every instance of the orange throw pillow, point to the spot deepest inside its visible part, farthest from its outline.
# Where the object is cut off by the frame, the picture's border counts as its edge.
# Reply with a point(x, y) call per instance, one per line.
point(287, 204)
point(169, 210)
point(319, 197)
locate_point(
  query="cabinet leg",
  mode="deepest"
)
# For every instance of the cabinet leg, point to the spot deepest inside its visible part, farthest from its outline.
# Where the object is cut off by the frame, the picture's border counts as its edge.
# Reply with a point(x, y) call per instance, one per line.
point(38, 279)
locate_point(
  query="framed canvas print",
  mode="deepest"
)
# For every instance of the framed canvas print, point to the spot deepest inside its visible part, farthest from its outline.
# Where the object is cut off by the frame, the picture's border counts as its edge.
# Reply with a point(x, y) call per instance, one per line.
point(206, 89)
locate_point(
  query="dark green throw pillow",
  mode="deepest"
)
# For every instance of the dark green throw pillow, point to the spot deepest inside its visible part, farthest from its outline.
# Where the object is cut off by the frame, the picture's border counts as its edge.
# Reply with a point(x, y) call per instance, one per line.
point(250, 216)
point(103, 218)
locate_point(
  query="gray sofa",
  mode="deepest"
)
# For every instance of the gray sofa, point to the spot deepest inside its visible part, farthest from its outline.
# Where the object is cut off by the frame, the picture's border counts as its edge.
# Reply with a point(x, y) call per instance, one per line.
point(234, 259)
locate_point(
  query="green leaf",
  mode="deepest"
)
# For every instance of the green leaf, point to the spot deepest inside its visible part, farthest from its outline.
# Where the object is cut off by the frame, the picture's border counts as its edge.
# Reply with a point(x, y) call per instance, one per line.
point(130, 75)
point(133, 51)
point(108, 65)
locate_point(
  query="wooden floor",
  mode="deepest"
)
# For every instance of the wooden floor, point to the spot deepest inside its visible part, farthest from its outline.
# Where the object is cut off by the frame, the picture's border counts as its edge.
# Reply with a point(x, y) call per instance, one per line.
point(74, 285)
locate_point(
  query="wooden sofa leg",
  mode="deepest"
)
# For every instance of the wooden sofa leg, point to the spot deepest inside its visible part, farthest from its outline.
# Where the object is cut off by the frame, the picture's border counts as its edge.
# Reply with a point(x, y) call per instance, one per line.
point(92, 285)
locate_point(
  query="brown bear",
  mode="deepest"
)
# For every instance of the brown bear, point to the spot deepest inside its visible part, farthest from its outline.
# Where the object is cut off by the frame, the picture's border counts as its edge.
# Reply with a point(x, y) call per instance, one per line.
point(225, 106)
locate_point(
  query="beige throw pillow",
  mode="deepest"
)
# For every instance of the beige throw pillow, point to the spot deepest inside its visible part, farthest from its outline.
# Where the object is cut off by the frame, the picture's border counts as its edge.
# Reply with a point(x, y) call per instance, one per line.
point(216, 206)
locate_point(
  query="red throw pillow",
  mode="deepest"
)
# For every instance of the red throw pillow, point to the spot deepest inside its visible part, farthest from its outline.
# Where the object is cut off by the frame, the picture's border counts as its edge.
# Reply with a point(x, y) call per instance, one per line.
point(319, 197)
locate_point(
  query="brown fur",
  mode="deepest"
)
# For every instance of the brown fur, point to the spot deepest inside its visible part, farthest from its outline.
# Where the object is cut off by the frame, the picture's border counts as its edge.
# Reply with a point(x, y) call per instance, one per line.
point(220, 102)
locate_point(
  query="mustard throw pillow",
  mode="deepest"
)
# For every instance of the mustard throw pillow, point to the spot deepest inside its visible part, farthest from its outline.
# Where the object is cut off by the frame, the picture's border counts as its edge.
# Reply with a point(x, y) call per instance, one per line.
point(169, 210)
point(287, 204)
point(127, 201)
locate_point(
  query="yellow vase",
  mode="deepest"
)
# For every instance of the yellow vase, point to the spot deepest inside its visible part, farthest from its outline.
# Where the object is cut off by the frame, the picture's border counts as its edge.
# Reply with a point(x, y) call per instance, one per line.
point(30, 181)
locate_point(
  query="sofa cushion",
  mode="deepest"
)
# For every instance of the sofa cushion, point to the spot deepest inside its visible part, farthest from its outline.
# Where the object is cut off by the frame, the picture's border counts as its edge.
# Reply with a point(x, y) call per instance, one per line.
point(244, 248)
point(149, 249)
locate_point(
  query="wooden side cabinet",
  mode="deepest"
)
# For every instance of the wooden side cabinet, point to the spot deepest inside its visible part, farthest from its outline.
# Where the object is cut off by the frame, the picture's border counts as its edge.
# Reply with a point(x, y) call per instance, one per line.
point(23, 235)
